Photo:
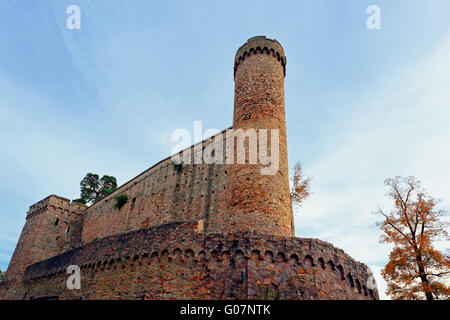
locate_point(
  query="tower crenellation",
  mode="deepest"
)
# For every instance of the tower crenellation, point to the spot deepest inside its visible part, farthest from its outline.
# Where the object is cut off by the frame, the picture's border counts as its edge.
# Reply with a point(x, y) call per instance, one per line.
point(260, 44)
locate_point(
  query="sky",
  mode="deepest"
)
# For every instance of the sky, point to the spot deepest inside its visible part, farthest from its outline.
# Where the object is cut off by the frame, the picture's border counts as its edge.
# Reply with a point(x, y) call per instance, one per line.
point(361, 105)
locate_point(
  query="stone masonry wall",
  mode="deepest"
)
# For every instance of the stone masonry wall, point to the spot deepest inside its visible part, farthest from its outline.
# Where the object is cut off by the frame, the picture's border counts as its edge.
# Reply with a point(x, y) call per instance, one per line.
point(174, 261)
point(164, 193)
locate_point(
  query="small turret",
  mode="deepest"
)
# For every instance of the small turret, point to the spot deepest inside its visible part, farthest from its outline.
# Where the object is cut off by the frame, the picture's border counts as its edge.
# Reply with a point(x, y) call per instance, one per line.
point(53, 225)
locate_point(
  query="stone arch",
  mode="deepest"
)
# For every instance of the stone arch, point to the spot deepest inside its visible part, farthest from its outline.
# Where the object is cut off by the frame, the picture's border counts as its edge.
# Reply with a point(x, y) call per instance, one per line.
point(280, 257)
point(366, 293)
point(308, 261)
point(358, 285)
point(321, 262)
point(350, 280)
point(154, 257)
point(189, 255)
point(268, 256)
point(332, 265)
point(256, 255)
point(214, 255)
point(293, 259)
point(177, 254)
point(202, 256)
point(341, 272)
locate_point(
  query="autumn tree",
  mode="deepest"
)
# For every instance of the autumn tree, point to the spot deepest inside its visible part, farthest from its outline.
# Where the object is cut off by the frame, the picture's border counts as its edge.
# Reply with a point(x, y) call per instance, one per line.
point(416, 270)
point(300, 188)
point(93, 189)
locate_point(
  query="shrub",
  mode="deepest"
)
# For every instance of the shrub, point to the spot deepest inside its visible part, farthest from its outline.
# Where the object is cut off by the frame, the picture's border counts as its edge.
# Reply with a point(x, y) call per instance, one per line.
point(177, 166)
point(120, 200)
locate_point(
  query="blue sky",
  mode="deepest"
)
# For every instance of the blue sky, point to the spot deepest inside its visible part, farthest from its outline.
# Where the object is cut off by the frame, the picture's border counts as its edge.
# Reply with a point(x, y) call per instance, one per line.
point(361, 105)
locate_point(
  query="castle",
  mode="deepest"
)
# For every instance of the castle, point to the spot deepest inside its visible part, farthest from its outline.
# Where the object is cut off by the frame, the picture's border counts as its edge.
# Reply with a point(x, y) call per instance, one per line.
point(190, 231)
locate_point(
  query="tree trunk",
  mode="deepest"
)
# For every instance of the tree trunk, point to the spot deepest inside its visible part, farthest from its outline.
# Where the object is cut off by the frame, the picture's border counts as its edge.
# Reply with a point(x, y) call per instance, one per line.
point(425, 281)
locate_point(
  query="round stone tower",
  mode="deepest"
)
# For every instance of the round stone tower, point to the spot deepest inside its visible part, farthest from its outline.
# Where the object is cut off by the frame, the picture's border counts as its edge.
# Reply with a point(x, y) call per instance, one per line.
point(260, 198)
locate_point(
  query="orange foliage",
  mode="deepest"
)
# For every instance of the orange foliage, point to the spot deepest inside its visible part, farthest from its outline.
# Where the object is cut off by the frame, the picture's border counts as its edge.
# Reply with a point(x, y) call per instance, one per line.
point(416, 270)
point(300, 189)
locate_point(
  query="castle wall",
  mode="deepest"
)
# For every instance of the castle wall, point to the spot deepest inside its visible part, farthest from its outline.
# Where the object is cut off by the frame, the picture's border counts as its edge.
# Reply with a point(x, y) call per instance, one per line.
point(174, 261)
point(164, 193)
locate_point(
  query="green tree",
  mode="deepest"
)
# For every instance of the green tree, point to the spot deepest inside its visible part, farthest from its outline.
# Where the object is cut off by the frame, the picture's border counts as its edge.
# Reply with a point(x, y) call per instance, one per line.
point(93, 189)
point(2, 275)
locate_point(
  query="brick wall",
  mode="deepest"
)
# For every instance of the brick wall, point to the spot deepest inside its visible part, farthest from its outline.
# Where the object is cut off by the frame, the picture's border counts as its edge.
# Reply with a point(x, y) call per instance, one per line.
point(164, 193)
point(174, 261)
